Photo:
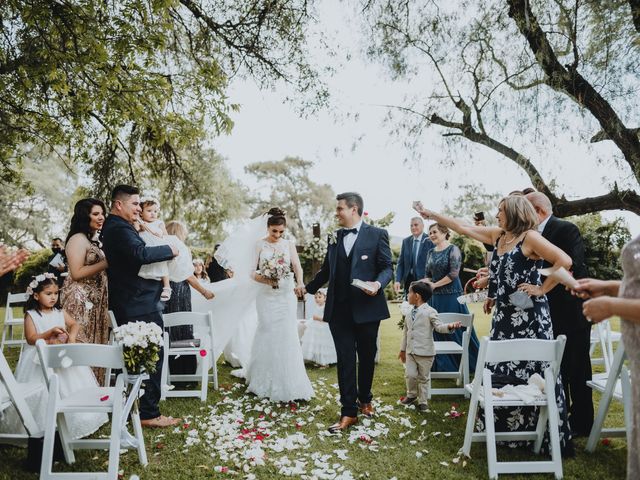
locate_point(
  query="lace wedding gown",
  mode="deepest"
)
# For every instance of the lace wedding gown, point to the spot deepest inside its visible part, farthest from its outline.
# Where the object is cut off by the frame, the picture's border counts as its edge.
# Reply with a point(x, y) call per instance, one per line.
point(276, 369)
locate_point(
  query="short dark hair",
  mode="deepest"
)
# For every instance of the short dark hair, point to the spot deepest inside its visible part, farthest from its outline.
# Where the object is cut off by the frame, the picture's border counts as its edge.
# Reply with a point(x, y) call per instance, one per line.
point(422, 289)
point(56, 239)
point(528, 190)
point(122, 190)
point(352, 199)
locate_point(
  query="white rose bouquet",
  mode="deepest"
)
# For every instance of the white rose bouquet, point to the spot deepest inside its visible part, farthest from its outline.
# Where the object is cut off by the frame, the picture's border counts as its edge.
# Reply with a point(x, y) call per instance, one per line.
point(275, 268)
point(141, 342)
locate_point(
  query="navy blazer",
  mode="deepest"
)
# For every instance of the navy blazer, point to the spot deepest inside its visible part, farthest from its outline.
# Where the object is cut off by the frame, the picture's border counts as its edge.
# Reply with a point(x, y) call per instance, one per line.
point(370, 261)
point(404, 260)
point(566, 309)
point(126, 252)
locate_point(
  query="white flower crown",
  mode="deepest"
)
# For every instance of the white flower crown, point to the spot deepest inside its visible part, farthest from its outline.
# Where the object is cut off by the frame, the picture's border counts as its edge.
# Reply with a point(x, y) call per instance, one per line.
point(150, 199)
point(37, 280)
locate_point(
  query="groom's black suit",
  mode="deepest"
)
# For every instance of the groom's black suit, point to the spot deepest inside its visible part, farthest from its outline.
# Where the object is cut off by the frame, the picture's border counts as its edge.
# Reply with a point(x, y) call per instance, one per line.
point(354, 316)
point(132, 298)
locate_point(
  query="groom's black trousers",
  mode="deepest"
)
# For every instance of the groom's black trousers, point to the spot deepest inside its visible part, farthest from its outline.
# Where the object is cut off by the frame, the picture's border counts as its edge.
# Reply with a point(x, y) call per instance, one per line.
point(351, 338)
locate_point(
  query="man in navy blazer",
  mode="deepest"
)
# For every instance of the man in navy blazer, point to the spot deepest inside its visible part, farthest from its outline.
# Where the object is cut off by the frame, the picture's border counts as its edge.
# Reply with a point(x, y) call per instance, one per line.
point(413, 256)
point(361, 252)
point(132, 298)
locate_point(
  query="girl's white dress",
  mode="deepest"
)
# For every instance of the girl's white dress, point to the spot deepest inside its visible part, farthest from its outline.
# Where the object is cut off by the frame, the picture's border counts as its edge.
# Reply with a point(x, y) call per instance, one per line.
point(177, 269)
point(72, 379)
point(317, 342)
point(276, 367)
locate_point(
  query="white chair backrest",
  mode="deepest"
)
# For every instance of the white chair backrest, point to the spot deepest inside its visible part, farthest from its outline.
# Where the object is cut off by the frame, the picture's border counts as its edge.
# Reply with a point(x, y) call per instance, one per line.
point(78, 354)
point(12, 300)
point(202, 323)
point(197, 319)
point(112, 319)
point(466, 319)
point(11, 386)
point(527, 349)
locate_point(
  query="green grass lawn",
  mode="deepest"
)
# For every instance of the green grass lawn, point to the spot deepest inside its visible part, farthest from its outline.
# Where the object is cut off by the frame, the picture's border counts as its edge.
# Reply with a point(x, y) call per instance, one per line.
point(408, 445)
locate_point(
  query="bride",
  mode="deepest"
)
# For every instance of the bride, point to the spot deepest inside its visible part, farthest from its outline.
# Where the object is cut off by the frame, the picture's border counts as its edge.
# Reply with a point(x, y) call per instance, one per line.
point(275, 367)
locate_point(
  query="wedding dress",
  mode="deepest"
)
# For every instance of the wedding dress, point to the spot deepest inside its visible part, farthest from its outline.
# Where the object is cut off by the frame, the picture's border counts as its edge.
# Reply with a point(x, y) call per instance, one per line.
point(271, 357)
point(276, 368)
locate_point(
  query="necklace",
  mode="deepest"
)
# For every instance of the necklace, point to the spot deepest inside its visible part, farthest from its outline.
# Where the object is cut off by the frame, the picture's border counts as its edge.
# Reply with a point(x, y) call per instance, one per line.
point(510, 241)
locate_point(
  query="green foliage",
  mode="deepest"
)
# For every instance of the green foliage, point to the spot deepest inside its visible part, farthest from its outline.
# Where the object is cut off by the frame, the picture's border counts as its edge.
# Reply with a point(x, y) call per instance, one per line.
point(37, 263)
point(473, 252)
point(127, 86)
point(36, 207)
point(141, 359)
point(204, 197)
point(289, 187)
point(383, 222)
point(603, 242)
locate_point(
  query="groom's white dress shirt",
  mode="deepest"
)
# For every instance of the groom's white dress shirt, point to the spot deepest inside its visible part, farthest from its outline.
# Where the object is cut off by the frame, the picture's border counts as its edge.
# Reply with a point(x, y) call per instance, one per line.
point(350, 238)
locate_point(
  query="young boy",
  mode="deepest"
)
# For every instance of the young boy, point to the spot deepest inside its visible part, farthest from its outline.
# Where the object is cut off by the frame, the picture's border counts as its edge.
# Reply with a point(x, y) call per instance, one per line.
point(418, 349)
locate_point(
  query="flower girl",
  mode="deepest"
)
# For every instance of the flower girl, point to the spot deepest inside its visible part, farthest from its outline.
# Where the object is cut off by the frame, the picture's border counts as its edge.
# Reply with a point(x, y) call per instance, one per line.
point(44, 319)
point(153, 232)
point(317, 342)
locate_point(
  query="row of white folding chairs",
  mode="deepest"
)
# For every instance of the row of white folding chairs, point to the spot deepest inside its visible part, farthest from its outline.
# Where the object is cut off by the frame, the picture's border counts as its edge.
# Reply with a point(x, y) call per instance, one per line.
point(90, 399)
point(12, 331)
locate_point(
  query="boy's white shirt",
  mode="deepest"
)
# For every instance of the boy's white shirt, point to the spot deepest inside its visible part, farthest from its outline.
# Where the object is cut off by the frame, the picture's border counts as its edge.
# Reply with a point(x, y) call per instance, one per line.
point(417, 338)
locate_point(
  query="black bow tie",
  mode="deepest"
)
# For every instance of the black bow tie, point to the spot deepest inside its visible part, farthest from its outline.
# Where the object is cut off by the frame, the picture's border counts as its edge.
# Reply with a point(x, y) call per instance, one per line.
point(349, 230)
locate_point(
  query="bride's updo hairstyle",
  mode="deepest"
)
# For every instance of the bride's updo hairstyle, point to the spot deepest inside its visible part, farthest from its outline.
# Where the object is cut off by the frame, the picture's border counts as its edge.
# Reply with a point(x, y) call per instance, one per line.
point(276, 217)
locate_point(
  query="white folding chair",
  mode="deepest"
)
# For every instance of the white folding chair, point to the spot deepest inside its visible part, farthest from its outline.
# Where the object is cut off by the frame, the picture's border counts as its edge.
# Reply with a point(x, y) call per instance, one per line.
point(93, 399)
point(11, 337)
point(450, 347)
point(481, 394)
point(15, 394)
point(203, 330)
point(615, 384)
point(603, 335)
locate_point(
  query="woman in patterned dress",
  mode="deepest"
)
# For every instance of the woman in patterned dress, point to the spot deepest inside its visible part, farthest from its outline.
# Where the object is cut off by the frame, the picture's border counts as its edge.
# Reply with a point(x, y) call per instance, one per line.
point(84, 292)
point(518, 254)
point(612, 297)
point(442, 269)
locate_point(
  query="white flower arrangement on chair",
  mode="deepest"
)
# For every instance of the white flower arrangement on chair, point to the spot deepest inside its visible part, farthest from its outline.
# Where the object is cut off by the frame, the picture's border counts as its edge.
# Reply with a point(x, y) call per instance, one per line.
point(141, 342)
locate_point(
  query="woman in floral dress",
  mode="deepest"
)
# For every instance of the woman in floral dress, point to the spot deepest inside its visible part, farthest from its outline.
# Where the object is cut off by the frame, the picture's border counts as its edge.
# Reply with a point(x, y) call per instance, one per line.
point(84, 292)
point(515, 261)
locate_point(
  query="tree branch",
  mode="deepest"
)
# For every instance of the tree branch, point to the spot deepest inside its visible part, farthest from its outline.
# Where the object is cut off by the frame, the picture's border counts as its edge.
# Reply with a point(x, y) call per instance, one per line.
point(635, 13)
point(568, 80)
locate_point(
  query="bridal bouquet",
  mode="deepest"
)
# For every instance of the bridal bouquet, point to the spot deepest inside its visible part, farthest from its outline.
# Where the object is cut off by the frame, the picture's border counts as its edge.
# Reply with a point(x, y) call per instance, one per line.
point(274, 268)
point(141, 342)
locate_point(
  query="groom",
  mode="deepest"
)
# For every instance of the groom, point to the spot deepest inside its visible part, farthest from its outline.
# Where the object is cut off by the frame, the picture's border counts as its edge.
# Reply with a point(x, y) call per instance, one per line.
point(362, 252)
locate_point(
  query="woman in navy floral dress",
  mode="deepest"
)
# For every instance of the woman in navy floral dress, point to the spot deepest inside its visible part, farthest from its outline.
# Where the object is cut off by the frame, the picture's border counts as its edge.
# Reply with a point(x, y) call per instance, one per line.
point(514, 266)
point(442, 271)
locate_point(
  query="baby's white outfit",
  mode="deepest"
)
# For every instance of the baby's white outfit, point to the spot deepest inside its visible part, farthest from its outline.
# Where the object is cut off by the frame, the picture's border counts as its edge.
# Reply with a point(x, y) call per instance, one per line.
point(177, 269)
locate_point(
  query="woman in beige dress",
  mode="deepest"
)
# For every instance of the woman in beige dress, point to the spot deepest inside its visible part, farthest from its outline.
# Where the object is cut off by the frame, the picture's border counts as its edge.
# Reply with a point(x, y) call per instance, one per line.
point(84, 292)
point(608, 298)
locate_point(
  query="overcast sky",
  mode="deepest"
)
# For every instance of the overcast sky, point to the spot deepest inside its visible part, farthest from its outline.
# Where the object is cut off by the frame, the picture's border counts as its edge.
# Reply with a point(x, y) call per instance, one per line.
point(353, 149)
